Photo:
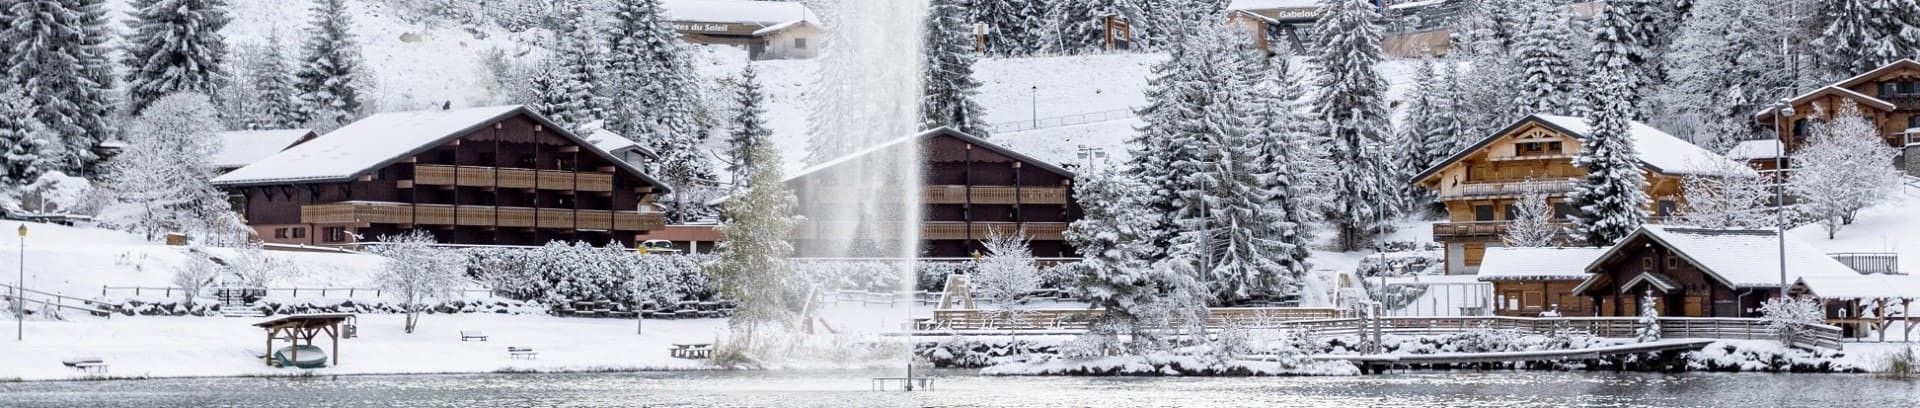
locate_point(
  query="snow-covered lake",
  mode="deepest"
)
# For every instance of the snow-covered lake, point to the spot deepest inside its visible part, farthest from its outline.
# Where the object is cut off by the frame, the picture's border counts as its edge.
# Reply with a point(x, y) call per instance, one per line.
point(959, 389)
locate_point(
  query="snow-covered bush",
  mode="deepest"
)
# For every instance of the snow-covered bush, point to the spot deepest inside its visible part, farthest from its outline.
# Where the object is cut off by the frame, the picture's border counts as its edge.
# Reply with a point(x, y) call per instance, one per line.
point(1790, 317)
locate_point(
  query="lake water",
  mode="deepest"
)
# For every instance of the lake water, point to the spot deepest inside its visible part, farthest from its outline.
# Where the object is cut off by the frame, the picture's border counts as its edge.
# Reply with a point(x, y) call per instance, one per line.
point(958, 389)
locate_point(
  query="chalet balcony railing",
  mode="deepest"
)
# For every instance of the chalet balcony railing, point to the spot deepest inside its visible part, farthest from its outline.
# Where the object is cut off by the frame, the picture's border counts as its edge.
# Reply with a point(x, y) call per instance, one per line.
point(480, 216)
point(945, 230)
point(1508, 189)
point(996, 195)
point(502, 177)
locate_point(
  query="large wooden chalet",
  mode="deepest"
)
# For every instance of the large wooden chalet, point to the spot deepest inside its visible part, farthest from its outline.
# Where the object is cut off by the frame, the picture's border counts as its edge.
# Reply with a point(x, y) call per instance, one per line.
point(971, 187)
point(1889, 95)
point(1481, 184)
point(489, 175)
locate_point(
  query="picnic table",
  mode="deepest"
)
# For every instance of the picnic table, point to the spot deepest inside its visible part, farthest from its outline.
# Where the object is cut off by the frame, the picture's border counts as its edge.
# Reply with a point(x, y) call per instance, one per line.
point(691, 351)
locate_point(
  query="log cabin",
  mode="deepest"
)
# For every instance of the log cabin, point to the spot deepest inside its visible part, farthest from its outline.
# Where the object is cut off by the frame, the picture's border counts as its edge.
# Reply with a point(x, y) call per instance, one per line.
point(499, 175)
point(1889, 95)
point(1481, 184)
point(1695, 272)
point(971, 187)
point(1529, 281)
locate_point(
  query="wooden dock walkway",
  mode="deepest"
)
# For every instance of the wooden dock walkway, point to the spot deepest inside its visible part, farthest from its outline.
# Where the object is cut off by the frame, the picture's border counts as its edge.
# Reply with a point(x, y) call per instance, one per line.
point(1380, 362)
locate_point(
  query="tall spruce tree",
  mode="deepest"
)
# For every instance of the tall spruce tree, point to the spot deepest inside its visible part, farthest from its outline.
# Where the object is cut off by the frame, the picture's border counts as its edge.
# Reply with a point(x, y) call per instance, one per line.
point(273, 88)
point(57, 57)
point(174, 46)
point(329, 65)
point(1612, 196)
point(1352, 103)
point(949, 87)
point(749, 128)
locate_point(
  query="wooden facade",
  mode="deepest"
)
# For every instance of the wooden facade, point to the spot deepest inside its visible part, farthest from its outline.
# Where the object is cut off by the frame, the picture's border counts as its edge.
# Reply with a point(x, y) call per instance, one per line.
point(1889, 95)
point(513, 179)
point(971, 187)
point(1481, 186)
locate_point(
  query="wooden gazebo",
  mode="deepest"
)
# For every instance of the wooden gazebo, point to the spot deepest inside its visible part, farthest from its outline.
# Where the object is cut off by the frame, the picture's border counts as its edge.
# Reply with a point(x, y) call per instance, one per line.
point(305, 326)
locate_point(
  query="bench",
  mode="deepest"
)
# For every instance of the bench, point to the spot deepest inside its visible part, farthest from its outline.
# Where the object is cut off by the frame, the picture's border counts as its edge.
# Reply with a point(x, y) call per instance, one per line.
point(516, 353)
point(692, 351)
point(94, 365)
point(472, 335)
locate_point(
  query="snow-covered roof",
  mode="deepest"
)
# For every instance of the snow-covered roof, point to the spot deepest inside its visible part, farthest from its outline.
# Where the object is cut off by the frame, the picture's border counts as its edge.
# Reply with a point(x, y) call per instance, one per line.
point(382, 139)
point(243, 147)
point(738, 11)
point(1508, 263)
point(1755, 149)
point(1738, 258)
point(1659, 151)
point(1862, 286)
point(1272, 4)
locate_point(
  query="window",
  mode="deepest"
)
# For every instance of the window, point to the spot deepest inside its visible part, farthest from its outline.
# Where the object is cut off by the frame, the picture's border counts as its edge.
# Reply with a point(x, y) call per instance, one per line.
point(800, 43)
point(279, 232)
point(1483, 213)
point(299, 232)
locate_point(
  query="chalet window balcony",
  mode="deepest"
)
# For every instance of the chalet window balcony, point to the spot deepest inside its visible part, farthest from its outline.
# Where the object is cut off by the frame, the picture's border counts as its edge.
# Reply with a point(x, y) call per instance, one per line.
point(1507, 189)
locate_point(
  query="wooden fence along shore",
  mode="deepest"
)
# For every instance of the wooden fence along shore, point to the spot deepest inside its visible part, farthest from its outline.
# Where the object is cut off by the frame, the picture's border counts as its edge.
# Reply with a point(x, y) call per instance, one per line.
point(1333, 322)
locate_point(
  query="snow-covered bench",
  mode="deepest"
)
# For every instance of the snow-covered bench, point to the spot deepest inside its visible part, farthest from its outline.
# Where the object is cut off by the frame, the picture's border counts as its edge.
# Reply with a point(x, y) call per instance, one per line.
point(87, 364)
point(472, 335)
point(522, 352)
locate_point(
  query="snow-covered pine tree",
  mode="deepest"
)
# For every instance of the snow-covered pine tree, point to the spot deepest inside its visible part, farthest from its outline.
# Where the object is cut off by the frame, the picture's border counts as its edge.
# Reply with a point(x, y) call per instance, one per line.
point(1352, 101)
point(755, 264)
point(947, 80)
point(749, 127)
point(1081, 26)
point(162, 182)
point(1532, 225)
point(58, 58)
point(1842, 169)
point(276, 100)
point(1621, 57)
point(28, 148)
point(658, 102)
point(1730, 197)
point(174, 46)
point(1854, 36)
point(1648, 329)
point(1612, 196)
point(1547, 78)
point(329, 65)
point(560, 97)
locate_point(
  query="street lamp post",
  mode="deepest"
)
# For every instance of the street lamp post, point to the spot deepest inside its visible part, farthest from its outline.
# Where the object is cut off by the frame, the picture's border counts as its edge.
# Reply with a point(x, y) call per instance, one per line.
point(1785, 108)
point(20, 291)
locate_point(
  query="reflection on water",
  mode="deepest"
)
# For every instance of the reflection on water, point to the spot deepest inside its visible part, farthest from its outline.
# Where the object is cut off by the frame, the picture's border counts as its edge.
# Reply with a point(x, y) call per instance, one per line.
point(851, 389)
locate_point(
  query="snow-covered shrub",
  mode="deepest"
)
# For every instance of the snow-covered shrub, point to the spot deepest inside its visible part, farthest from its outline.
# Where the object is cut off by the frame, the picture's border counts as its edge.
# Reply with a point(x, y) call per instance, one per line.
point(1790, 317)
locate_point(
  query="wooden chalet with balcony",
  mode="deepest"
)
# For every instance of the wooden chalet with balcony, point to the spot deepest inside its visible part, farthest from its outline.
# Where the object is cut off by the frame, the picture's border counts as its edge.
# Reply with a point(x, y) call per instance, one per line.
point(500, 175)
point(971, 187)
point(1889, 95)
point(1481, 184)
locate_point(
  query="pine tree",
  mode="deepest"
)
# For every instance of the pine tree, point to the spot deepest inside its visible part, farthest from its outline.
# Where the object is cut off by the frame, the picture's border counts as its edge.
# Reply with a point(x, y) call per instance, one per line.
point(1546, 73)
point(949, 87)
point(174, 46)
point(273, 88)
point(1352, 101)
point(57, 56)
point(749, 126)
point(329, 66)
point(1612, 197)
point(658, 99)
point(29, 148)
point(755, 262)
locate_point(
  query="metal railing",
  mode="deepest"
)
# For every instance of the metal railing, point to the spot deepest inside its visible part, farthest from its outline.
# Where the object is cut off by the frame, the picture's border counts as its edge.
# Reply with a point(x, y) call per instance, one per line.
point(1059, 121)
